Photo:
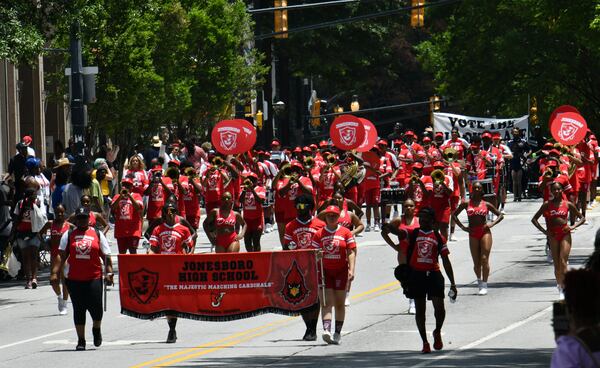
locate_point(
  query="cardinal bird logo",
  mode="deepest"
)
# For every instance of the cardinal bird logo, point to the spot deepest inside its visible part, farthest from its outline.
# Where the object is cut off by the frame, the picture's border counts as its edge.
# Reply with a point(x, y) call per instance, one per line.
point(143, 285)
point(294, 290)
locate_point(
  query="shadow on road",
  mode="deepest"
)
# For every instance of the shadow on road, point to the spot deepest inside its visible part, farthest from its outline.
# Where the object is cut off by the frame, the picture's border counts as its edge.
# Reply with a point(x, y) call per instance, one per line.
point(375, 359)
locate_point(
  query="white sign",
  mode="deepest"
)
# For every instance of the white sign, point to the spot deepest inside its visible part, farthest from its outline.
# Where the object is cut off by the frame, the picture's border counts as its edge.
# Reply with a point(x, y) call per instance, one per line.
point(469, 126)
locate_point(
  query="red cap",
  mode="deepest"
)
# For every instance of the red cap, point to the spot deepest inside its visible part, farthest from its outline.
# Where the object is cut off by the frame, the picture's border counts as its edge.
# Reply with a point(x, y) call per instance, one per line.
point(382, 142)
point(323, 144)
point(175, 162)
point(298, 149)
point(174, 144)
point(313, 146)
point(439, 164)
point(252, 174)
point(417, 165)
point(548, 146)
point(26, 140)
point(156, 168)
point(475, 145)
point(397, 142)
point(275, 142)
point(486, 135)
point(426, 140)
point(267, 154)
point(552, 163)
point(496, 135)
point(332, 209)
point(126, 180)
point(296, 164)
point(306, 149)
point(409, 133)
point(554, 152)
point(439, 134)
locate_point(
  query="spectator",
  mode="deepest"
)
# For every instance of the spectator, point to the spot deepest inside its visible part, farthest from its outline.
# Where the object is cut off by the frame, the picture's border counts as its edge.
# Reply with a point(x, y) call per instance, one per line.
point(581, 347)
point(27, 240)
point(27, 142)
point(38, 181)
point(193, 153)
point(61, 174)
point(17, 168)
point(152, 151)
point(82, 183)
point(6, 193)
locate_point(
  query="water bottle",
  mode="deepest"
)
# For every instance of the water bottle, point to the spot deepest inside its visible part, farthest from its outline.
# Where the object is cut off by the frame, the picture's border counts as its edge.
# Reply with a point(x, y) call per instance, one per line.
point(452, 296)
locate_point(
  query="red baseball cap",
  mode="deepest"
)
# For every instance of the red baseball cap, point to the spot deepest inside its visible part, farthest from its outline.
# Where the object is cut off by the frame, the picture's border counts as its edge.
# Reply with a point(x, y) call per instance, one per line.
point(252, 174)
point(496, 135)
point(296, 164)
point(126, 180)
point(409, 133)
point(332, 209)
point(439, 164)
point(298, 149)
point(275, 142)
point(26, 140)
point(475, 145)
point(323, 144)
point(554, 152)
point(439, 134)
point(486, 135)
point(426, 140)
point(417, 165)
point(313, 146)
point(382, 142)
point(174, 162)
point(156, 168)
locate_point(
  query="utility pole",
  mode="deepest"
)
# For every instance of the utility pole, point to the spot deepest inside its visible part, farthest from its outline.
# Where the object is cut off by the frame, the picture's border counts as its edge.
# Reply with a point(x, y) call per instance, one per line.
point(77, 105)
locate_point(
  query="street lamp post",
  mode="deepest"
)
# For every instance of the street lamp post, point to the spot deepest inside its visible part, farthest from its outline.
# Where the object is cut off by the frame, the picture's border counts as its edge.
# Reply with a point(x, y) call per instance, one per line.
point(354, 105)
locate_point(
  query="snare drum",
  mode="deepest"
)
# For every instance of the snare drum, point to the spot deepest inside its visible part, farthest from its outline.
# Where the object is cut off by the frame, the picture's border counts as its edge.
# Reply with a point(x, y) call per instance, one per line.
point(488, 187)
point(269, 199)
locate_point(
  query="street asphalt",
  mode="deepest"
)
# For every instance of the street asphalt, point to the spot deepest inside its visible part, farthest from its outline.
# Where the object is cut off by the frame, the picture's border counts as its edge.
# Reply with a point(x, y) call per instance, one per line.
point(509, 327)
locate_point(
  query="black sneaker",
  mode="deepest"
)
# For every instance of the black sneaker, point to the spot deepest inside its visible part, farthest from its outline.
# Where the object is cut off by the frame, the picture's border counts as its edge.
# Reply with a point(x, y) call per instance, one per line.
point(310, 336)
point(97, 337)
point(80, 345)
point(172, 337)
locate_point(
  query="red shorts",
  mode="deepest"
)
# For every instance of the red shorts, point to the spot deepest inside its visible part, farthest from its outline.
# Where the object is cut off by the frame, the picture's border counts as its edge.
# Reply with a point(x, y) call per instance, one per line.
point(54, 252)
point(442, 215)
point(336, 278)
point(126, 243)
point(559, 232)
point(254, 224)
point(373, 196)
point(193, 220)
point(454, 202)
point(478, 232)
point(352, 194)
point(225, 240)
point(211, 206)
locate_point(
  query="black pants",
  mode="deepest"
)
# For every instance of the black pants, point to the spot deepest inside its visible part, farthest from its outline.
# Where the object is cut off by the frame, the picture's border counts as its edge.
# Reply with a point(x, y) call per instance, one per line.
point(86, 296)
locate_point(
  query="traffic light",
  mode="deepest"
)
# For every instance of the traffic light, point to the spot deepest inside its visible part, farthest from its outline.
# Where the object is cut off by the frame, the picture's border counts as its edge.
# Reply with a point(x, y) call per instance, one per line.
point(281, 23)
point(434, 103)
point(533, 118)
point(259, 119)
point(315, 111)
point(417, 14)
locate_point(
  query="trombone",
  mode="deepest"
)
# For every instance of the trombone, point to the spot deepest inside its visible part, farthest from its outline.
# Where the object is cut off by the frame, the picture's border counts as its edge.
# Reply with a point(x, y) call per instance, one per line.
point(438, 176)
point(309, 162)
point(331, 159)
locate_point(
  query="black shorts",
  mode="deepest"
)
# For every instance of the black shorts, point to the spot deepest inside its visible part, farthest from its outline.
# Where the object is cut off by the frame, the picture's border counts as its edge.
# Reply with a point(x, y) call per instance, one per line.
point(425, 283)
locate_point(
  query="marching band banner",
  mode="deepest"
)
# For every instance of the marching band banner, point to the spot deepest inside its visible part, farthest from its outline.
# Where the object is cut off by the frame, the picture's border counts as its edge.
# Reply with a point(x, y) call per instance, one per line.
point(218, 287)
point(470, 126)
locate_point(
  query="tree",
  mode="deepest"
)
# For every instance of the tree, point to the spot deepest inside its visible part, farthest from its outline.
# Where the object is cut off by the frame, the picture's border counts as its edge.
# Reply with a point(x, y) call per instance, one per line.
point(492, 54)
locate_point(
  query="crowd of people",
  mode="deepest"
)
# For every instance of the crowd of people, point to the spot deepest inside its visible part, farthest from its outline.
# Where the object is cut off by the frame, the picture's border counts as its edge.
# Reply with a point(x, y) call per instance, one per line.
point(413, 186)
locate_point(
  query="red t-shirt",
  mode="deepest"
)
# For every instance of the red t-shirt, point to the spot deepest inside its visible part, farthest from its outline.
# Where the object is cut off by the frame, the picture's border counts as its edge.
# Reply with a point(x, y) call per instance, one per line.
point(128, 223)
point(282, 203)
point(84, 250)
point(408, 229)
point(252, 208)
point(56, 232)
point(334, 245)
point(214, 187)
point(190, 199)
point(425, 252)
point(415, 193)
point(326, 184)
point(140, 180)
point(299, 235)
point(156, 200)
point(170, 239)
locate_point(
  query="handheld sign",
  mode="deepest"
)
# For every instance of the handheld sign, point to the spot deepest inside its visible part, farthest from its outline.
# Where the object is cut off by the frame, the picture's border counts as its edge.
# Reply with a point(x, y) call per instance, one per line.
point(370, 136)
point(347, 132)
point(560, 110)
point(231, 137)
point(568, 128)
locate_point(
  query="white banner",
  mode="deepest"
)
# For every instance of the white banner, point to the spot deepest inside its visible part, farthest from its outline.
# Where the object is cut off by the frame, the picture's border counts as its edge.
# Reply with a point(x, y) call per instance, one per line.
point(470, 126)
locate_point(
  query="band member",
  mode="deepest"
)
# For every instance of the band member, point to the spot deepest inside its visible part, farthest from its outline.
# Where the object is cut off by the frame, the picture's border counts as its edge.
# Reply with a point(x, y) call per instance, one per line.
point(453, 168)
point(457, 143)
point(97, 220)
point(214, 181)
point(552, 174)
point(493, 170)
point(298, 235)
point(171, 237)
point(136, 171)
point(478, 161)
point(177, 184)
point(328, 177)
point(127, 208)
point(221, 224)
point(339, 257)
point(372, 192)
point(441, 188)
point(191, 194)
point(556, 212)
point(432, 154)
point(57, 228)
point(415, 187)
point(408, 222)
point(84, 249)
point(502, 168)
point(480, 236)
point(425, 245)
point(252, 198)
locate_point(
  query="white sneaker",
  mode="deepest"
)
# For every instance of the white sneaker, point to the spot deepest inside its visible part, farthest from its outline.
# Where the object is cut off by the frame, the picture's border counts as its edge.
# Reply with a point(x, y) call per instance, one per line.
point(503, 212)
point(62, 306)
point(367, 229)
point(377, 227)
point(327, 337)
point(561, 293)
point(347, 302)
point(395, 214)
point(411, 306)
point(483, 289)
point(337, 338)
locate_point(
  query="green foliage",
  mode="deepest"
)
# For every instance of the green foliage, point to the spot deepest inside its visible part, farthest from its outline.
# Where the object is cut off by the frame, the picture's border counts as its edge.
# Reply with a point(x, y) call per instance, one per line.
point(493, 54)
point(19, 40)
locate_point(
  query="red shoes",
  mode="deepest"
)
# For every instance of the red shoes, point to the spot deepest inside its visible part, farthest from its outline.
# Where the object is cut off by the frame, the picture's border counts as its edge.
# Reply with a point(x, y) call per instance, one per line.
point(426, 348)
point(437, 340)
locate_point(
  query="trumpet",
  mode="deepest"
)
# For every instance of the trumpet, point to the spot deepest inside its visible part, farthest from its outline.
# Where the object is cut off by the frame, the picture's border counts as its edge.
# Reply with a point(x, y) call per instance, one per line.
point(548, 172)
point(331, 159)
point(438, 176)
point(190, 172)
point(217, 161)
point(172, 172)
point(309, 162)
point(449, 154)
point(414, 179)
point(287, 170)
point(248, 183)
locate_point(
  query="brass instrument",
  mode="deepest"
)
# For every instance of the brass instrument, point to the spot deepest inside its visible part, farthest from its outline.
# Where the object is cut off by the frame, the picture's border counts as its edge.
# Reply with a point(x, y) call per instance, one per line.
point(287, 170)
point(217, 161)
point(248, 183)
point(414, 179)
point(449, 154)
point(190, 172)
point(350, 173)
point(548, 172)
point(309, 162)
point(438, 176)
point(5, 257)
point(331, 159)
point(172, 172)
